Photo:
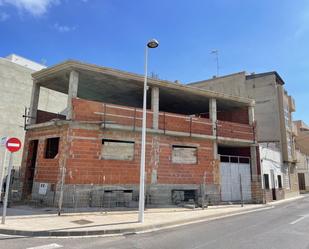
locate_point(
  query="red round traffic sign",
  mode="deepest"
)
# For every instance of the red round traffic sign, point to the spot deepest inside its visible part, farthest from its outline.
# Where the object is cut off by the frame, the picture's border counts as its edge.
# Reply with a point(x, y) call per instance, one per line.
point(13, 144)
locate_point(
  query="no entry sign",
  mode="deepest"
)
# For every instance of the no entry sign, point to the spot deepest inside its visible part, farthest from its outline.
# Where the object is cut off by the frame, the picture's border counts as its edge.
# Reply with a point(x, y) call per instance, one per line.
point(13, 144)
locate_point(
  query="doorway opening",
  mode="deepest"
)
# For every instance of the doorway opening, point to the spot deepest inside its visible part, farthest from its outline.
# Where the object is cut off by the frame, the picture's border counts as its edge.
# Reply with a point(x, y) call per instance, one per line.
point(301, 181)
point(30, 168)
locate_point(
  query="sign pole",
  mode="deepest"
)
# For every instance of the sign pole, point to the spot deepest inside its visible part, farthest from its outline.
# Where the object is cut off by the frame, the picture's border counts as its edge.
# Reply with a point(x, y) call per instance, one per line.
point(2, 171)
point(240, 189)
point(8, 181)
point(12, 145)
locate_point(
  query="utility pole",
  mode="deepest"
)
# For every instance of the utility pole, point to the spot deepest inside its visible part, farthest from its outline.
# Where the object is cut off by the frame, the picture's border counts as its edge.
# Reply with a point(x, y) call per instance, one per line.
point(63, 171)
point(204, 190)
point(240, 190)
point(141, 206)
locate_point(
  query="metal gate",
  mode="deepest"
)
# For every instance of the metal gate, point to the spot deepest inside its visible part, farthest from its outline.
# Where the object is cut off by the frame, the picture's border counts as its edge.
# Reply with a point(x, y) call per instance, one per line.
point(234, 170)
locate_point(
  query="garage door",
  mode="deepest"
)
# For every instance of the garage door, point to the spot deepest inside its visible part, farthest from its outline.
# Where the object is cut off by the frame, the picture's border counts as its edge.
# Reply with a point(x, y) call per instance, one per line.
point(231, 173)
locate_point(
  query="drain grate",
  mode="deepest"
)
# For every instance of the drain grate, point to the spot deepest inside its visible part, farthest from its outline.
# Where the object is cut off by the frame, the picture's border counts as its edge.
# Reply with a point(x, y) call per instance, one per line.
point(82, 222)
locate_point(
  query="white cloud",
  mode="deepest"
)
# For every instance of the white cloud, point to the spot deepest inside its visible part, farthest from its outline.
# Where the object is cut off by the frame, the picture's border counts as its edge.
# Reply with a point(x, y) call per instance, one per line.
point(34, 7)
point(3, 16)
point(64, 28)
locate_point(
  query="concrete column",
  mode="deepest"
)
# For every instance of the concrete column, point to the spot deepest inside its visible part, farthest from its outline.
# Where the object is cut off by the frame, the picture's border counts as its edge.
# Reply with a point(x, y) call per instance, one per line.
point(213, 114)
point(251, 115)
point(253, 155)
point(155, 107)
point(34, 103)
point(72, 93)
point(213, 119)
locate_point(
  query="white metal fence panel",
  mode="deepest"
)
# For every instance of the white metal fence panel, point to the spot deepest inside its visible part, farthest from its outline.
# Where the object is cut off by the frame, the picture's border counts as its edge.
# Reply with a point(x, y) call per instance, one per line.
point(230, 181)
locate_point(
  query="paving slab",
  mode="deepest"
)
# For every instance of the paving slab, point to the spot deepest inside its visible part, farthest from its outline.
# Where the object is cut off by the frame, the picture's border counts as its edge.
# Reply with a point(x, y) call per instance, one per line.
point(118, 222)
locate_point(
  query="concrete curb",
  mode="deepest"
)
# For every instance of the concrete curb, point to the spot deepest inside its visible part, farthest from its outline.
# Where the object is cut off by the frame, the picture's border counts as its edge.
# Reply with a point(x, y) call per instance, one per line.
point(50, 233)
point(276, 203)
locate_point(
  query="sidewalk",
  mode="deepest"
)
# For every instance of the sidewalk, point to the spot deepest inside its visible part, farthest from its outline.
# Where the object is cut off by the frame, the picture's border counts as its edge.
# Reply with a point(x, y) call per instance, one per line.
point(118, 222)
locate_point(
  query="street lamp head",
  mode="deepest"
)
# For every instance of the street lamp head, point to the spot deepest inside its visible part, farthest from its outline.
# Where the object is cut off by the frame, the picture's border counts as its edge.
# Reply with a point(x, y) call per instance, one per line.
point(214, 51)
point(153, 43)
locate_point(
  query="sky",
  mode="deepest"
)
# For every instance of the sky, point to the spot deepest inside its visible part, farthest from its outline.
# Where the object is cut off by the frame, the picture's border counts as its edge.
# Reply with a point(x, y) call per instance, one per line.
point(252, 36)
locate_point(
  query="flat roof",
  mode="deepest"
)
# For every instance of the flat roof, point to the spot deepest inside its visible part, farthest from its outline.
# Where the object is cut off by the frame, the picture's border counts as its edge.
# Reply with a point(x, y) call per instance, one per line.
point(257, 75)
point(22, 61)
point(248, 76)
point(119, 87)
point(214, 78)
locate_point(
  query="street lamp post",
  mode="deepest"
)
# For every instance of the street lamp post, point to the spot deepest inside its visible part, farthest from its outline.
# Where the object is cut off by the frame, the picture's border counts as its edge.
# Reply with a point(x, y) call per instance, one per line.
point(151, 44)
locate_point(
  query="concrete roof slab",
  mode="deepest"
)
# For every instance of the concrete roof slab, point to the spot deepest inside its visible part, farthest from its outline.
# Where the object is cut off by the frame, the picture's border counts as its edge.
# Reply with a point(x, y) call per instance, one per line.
point(123, 88)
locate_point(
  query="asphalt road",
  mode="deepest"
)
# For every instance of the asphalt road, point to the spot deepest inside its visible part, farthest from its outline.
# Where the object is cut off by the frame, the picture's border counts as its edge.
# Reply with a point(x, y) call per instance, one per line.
point(285, 226)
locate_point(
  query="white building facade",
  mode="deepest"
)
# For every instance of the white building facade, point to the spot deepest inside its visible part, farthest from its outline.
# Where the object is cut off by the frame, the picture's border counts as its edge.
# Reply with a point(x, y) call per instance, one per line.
point(16, 87)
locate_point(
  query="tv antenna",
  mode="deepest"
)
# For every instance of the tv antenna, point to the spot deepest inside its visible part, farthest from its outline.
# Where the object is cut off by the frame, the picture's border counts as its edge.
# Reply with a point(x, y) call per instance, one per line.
point(216, 53)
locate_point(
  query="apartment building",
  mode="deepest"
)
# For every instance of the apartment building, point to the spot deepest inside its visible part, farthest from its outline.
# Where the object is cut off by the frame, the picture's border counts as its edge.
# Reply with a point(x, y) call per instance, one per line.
point(201, 145)
point(15, 94)
point(302, 155)
point(275, 132)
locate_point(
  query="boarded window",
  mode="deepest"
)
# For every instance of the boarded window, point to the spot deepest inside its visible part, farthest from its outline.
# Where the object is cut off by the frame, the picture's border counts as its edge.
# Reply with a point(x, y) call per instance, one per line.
point(51, 148)
point(266, 181)
point(117, 150)
point(184, 154)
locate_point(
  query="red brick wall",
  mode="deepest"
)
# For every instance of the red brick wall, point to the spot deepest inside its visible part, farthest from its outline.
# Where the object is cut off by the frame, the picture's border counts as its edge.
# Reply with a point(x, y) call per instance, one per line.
point(182, 123)
point(43, 116)
point(234, 130)
point(47, 170)
point(182, 173)
point(85, 110)
point(238, 116)
point(236, 127)
point(85, 165)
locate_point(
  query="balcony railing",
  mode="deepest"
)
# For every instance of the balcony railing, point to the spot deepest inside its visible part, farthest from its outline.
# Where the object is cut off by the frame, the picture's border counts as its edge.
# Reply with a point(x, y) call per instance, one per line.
point(235, 130)
point(110, 114)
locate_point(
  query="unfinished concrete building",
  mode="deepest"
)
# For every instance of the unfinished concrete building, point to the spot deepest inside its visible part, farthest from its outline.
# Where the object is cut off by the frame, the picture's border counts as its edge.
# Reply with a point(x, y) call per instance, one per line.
point(200, 143)
point(275, 130)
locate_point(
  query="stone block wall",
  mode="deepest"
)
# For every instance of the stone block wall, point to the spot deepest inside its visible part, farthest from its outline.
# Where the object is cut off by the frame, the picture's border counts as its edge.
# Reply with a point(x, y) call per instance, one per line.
point(294, 186)
point(256, 190)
